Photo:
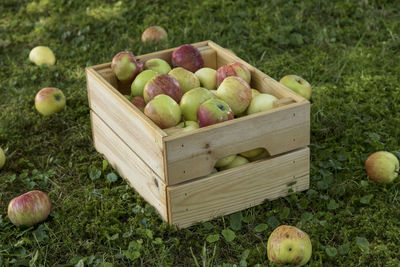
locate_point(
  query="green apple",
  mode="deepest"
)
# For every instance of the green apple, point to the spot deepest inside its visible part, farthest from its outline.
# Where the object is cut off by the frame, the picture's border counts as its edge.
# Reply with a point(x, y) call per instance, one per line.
point(42, 55)
point(188, 125)
point(191, 101)
point(186, 79)
point(2, 158)
point(154, 34)
point(140, 81)
point(50, 100)
point(254, 92)
point(263, 155)
point(382, 167)
point(163, 111)
point(158, 65)
point(289, 245)
point(207, 78)
point(224, 161)
point(298, 85)
point(252, 153)
point(236, 92)
point(213, 111)
point(261, 102)
point(236, 162)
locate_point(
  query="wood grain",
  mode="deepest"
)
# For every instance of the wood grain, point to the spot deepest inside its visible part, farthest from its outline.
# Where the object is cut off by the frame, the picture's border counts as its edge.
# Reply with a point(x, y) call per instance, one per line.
point(239, 188)
point(140, 176)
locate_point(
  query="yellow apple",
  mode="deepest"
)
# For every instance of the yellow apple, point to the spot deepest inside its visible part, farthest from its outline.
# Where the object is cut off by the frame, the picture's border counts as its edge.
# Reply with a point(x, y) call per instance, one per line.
point(382, 167)
point(50, 100)
point(298, 85)
point(42, 55)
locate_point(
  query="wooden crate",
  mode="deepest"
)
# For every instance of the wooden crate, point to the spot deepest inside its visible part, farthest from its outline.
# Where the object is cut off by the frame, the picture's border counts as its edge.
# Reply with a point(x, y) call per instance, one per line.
point(172, 171)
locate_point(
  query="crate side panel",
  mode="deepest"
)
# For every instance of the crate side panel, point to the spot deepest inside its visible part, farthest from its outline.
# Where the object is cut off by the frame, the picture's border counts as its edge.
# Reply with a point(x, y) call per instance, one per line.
point(239, 188)
point(139, 133)
point(129, 166)
point(194, 155)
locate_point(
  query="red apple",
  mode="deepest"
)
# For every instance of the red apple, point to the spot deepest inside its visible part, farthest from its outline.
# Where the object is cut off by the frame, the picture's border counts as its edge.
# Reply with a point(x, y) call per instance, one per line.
point(236, 92)
point(233, 69)
point(125, 66)
point(213, 111)
point(139, 102)
point(154, 34)
point(187, 57)
point(162, 84)
point(30, 208)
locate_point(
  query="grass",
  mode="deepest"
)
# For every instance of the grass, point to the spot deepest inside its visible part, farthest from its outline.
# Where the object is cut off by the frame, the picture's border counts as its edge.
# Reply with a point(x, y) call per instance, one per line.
point(348, 51)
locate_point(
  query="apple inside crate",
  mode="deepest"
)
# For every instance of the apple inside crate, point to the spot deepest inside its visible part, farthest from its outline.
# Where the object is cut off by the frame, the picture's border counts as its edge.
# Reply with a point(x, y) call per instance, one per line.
point(173, 171)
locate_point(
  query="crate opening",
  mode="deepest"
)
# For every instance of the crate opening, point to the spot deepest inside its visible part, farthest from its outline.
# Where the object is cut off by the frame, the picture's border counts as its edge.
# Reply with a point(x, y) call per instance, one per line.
point(235, 160)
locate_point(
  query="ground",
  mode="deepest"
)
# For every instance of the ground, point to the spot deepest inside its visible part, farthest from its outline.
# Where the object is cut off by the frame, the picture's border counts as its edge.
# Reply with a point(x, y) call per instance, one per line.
point(347, 50)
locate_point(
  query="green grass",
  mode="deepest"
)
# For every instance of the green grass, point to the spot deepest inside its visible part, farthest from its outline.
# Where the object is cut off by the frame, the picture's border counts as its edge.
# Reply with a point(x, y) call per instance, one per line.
point(348, 50)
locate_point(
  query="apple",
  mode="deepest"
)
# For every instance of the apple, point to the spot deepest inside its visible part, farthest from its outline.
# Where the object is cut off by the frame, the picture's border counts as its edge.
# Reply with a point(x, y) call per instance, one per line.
point(224, 161)
point(140, 81)
point(213, 111)
point(252, 153)
point(125, 67)
point(236, 162)
point(191, 101)
point(154, 34)
point(158, 65)
point(188, 125)
point(254, 92)
point(207, 78)
point(298, 85)
point(289, 245)
point(261, 102)
point(162, 84)
point(139, 102)
point(382, 167)
point(233, 69)
point(42, 55)
point(163, 111)
point(2, 158)
point(29, 209)
point(186, 79)
point(263, 155)
point(236, 92)
point(188, 57)
point(50, 100)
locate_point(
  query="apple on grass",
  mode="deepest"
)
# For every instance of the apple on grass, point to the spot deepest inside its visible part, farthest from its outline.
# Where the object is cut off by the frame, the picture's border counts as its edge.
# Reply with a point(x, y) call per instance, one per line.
point(191, 101)
point(289, 245)
point(233, 69)
point(188, 57)
point(154, 34)
point(207, 78)
point(298, 85)
point(236, 92)
point(42, 55)
point(140, 81)
point(186, 79)
point(162, 84)
point(163, 111)
point(261, 102)
point(50, 100)
point(213, 111)
point(236, 162)
point(29, 209)
point(157, 65)
point(382, 167)
point(2, 158)
point(125, 66)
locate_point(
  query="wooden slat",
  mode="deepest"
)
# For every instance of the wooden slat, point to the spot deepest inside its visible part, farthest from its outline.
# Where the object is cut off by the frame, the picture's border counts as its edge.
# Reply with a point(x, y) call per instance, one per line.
point(129, 165)
point(239, 188)
point(193, 154)
point(129, 123)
